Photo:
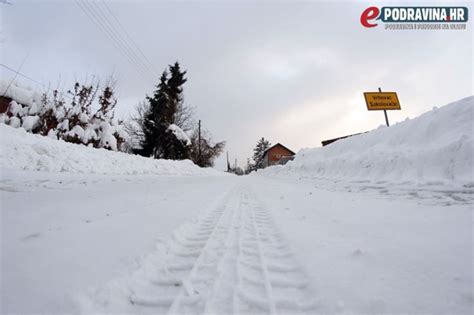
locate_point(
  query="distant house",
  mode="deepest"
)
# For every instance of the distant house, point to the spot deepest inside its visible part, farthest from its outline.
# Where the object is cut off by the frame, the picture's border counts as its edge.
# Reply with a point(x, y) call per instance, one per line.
point(277, 154)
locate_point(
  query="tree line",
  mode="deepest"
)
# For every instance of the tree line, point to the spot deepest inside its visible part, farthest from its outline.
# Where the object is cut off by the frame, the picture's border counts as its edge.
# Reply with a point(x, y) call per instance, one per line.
point(162, 127)
point(256, 162)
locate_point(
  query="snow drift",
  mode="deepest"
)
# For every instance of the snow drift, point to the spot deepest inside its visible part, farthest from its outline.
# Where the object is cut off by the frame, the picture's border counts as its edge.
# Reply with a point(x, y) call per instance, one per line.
point(435, 147)
point(26, 151)
point(21, 94)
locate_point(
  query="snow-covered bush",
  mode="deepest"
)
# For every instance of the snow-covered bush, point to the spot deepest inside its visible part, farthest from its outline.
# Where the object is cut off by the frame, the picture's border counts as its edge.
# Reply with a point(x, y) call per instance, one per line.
point(30, 123)
point(78, 116)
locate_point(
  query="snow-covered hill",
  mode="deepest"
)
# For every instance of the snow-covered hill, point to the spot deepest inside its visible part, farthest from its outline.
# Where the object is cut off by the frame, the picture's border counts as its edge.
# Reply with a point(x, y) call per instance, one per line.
point(25, 151)
point(434, 148)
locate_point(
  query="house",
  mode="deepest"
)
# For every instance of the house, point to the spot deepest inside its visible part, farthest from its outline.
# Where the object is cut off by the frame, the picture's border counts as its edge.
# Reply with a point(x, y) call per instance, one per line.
point(277, 154)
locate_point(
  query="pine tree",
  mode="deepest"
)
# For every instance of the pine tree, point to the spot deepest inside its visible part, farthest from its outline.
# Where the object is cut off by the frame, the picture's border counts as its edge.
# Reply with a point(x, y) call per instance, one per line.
point(259, 151)
point(176, 147)
point(154, 127)
point(175, 89)
point(160, 139)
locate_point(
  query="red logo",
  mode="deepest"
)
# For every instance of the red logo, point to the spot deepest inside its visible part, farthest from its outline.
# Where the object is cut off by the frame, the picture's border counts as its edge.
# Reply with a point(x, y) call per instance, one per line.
point(370, 13)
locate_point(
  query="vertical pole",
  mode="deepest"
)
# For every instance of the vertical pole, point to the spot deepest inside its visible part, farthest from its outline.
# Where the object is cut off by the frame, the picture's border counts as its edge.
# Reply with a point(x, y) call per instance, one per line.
point(386, 117)
point(199, 143)
point(228, 165)
point(385, 113)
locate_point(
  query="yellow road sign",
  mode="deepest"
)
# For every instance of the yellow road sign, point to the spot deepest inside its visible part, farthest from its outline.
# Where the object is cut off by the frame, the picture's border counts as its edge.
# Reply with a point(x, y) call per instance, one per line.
point(381, 100)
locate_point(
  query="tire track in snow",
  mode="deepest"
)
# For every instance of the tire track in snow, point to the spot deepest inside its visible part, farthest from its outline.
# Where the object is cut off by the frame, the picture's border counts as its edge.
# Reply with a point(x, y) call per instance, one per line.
point(196, 245)
point(232, 261)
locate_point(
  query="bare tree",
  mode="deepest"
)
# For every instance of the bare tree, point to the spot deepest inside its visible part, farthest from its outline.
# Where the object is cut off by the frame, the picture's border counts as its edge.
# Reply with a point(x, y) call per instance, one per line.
point(135, 126)
point(184, 117)
point(203, 150)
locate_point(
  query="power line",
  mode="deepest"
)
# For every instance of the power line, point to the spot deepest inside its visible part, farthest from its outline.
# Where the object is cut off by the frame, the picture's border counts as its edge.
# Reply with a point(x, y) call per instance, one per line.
point(17, 72)
point(95, 18)
point(20, 74)
point(129, 37)
point(117, 36)
point(102, 22)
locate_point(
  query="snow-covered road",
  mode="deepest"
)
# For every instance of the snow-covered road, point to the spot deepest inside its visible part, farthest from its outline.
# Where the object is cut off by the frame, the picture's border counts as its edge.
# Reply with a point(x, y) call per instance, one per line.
point(227, 244)
point(233, 260)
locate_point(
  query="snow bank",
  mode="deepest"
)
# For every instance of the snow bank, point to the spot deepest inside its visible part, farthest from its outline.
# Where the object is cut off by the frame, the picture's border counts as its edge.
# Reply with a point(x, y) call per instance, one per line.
point(26, 151)
point(21, 94)
point(435, 147)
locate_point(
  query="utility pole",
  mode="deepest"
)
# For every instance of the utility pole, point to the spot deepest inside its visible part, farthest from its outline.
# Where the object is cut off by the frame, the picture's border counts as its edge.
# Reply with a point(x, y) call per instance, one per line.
point(228, 164)
point(199, 143)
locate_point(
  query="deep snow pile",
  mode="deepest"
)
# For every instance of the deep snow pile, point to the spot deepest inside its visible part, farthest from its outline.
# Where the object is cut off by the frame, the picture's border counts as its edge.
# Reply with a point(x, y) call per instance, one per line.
point(21, 94)
point(436, 147)
point(25, 151)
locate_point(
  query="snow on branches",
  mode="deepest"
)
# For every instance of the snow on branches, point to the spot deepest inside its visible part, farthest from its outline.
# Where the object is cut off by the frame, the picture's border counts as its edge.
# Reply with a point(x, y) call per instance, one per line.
point(83, 115)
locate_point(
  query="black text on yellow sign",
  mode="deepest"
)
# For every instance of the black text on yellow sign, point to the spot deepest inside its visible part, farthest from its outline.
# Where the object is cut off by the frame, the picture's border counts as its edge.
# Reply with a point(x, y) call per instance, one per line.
point(381, 100)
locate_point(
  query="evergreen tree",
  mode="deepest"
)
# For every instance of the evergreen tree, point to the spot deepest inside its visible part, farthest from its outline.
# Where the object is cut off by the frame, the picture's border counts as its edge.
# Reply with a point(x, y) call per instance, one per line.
point(175, 146)
point(259, 151)
point(154, 127)
point(160, 132)
point(175, 90)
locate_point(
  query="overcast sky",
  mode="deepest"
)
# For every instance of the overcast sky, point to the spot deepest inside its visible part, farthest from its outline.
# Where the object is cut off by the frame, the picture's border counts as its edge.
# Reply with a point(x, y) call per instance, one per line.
point(292, 72)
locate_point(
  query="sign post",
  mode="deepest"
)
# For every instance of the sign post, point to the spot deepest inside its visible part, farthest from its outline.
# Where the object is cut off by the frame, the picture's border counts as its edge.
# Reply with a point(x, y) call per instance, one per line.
point(385, 112)
point(382, 101)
